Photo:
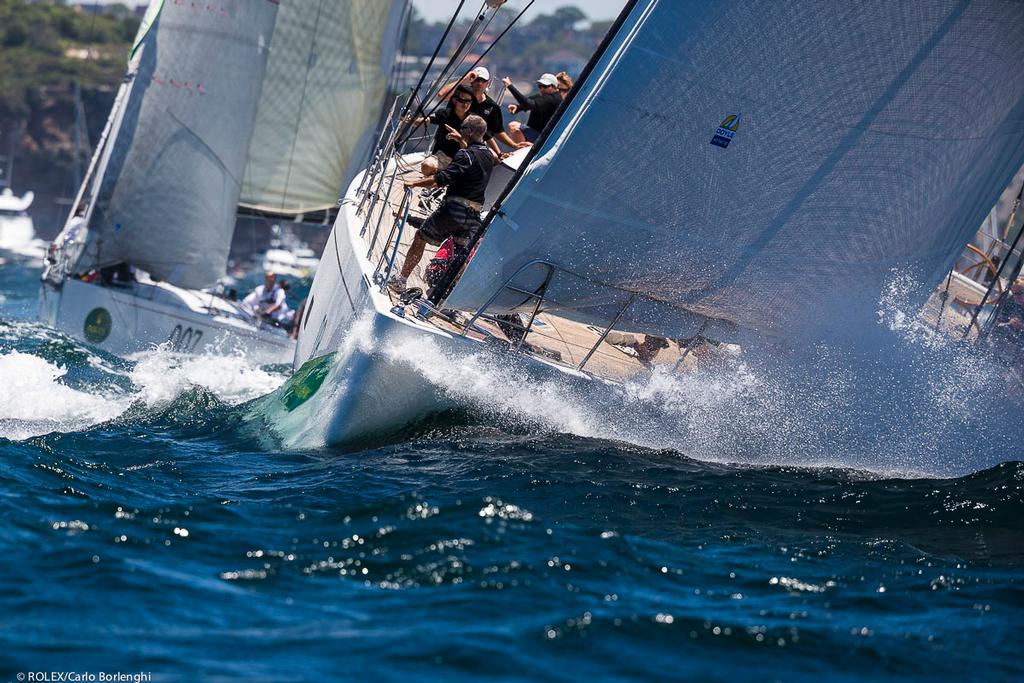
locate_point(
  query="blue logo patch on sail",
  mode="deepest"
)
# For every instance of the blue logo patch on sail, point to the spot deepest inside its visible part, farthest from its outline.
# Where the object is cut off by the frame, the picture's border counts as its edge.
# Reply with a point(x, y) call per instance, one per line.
point(726, 130)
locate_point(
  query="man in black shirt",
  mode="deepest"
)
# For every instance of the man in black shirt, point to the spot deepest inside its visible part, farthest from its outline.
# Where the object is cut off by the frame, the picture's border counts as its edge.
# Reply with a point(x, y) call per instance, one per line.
point(459, 215)
point(489, 110)
point(541, 107)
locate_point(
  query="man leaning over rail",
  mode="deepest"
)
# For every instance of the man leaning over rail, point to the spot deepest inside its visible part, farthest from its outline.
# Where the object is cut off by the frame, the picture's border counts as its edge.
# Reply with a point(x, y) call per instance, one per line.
point(458, 216)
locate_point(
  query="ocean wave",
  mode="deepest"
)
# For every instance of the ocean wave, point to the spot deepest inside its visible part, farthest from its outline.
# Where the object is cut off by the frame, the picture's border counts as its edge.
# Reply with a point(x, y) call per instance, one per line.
point(62, 386)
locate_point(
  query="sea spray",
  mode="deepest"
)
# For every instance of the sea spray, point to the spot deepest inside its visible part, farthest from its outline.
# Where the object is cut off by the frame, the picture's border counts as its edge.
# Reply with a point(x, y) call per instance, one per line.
point(898, 399)
point(162, 375)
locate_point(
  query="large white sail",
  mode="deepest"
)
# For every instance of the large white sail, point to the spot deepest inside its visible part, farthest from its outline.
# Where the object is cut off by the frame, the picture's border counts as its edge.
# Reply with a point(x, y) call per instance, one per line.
point(326, 79)
point(765, 163)
point(171, 171)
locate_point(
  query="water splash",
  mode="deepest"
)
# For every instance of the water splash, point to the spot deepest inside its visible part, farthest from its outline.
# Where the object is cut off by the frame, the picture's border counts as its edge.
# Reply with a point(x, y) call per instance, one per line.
point(162, 376)
point(79, 389)
point(36, 401)
point(899, 399)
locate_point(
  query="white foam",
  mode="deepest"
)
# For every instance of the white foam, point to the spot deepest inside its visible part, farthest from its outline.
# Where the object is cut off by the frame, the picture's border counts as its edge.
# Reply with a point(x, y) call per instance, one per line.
point(35, 401)
point(920, 405)
point(162, 376)
point(502, 387)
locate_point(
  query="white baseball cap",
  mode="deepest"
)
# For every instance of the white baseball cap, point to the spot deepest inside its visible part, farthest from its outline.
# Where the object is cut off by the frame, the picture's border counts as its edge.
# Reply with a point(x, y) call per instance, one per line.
point(482, 72)
point(548, 79)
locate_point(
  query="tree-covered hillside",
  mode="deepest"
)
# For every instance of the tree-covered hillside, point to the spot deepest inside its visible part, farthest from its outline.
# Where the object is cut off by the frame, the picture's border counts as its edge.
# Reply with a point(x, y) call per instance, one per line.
point(45, 48)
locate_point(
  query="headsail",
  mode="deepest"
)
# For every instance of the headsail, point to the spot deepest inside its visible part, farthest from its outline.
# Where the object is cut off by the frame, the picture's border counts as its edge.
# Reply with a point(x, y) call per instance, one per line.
point(762, 162)
point(326, 80)
point(171, 171)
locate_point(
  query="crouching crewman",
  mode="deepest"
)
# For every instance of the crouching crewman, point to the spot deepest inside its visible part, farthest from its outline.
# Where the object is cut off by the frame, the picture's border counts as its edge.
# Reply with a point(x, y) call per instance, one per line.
point(458, 216)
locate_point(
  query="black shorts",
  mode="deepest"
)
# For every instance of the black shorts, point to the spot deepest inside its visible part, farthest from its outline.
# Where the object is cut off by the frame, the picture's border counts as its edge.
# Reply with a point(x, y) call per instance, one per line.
point(451, 220)
point(531, 134)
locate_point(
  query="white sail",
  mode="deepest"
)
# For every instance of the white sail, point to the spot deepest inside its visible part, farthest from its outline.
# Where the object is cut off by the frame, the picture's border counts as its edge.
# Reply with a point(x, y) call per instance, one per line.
point(171, 170)
point(764, 163)
point(326, 79)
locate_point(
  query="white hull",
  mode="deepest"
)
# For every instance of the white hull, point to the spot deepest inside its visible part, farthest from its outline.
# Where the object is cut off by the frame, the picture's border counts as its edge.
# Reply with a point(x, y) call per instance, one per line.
point(144, 315)
point(364, 372)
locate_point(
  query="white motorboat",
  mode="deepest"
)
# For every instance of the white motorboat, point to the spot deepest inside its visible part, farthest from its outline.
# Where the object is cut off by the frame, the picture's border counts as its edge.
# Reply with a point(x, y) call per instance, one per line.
point(17, 234)
point(290, 256)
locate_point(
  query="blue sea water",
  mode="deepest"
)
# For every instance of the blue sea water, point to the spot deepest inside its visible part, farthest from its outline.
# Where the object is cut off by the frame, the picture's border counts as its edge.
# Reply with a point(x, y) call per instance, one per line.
point(151, 525)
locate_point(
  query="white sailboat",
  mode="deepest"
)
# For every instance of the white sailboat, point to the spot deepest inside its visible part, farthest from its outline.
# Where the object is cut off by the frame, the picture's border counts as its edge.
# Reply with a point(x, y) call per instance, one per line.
point(723, 171)
point(209, 88)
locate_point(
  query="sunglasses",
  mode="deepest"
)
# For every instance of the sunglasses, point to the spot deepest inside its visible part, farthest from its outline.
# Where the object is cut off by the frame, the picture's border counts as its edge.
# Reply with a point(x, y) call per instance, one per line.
point(478, 80)
point(563, 90)
point(463, 100)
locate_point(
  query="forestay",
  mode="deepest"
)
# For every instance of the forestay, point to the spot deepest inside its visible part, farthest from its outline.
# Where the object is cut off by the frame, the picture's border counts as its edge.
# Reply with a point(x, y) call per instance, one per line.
point(765, 163)
point(326, 79)
point(171, 171)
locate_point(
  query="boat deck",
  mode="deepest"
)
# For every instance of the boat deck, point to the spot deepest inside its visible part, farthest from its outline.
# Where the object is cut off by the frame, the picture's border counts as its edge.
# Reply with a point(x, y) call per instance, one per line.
point(551, 337)
point(567, 342)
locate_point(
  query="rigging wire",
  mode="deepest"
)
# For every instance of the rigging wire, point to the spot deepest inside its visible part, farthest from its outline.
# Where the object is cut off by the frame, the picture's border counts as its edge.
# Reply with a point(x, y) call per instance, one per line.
point(999, 272)
point(428, 94)
point(502, 34)
point(302, 104)
point(945, 297)
point(454, 67)
point(430, 63)
point(448, 68)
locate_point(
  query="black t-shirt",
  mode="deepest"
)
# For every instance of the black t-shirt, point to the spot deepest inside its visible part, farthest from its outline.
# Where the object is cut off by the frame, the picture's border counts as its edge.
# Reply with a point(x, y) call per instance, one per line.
point(468, 173)
point(489, 111)
point(541, 107)
point(441, 141)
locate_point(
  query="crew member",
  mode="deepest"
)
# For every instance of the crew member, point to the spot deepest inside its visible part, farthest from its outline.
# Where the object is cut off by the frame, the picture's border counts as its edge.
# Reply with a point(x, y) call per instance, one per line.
point(446, 119)
point(541, 107)
point(490, 111)
point(564, 83)
point(267, 298)
point(458, 216)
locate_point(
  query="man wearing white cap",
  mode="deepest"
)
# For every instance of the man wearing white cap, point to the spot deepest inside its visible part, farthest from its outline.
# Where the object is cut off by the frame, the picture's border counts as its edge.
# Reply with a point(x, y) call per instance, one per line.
point(541, 107)
point(478, 79)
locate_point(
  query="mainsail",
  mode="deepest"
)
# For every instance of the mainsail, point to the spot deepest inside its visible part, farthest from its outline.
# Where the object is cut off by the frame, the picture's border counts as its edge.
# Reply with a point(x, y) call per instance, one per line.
point(326, 79)
point(170, 173)
point(764, 164)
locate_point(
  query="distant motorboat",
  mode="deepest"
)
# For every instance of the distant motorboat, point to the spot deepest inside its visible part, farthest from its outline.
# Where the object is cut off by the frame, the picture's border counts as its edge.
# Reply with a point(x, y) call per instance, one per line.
point(17, 232)
point(290, 256)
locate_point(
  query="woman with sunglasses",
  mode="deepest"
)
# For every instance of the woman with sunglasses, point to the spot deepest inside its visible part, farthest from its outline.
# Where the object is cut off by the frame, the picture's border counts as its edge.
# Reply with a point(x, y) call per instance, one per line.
point(444, 147)
point(479, 80)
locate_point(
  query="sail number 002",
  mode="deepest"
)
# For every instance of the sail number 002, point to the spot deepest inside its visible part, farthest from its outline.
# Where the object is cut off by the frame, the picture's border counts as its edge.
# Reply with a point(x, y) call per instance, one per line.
point(184, 339)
